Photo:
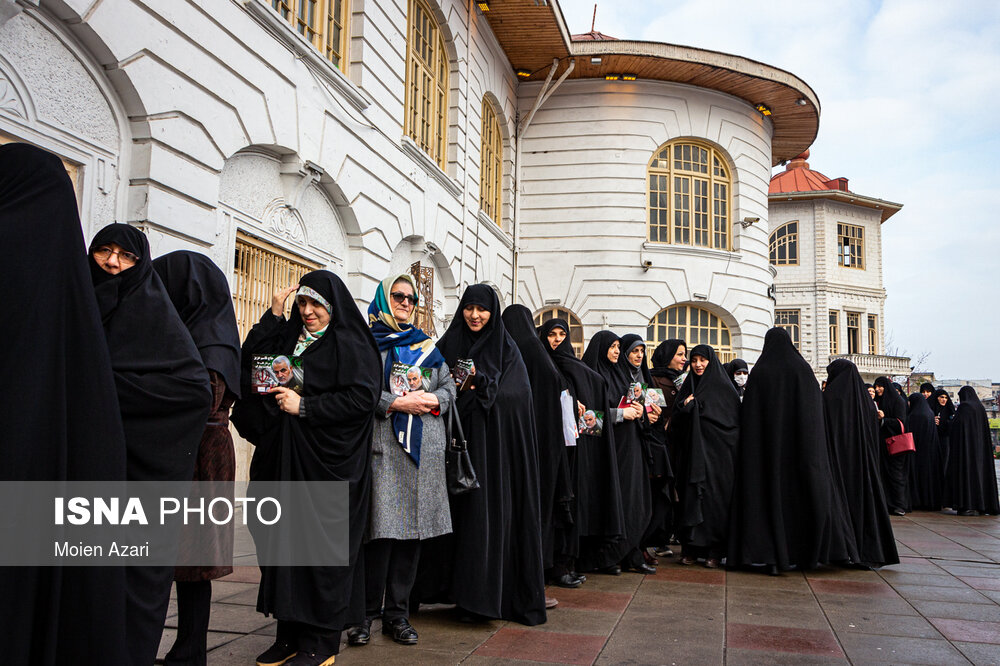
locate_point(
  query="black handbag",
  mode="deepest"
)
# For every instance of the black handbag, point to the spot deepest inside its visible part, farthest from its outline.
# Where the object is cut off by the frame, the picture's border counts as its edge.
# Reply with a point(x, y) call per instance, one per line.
point(457, 464)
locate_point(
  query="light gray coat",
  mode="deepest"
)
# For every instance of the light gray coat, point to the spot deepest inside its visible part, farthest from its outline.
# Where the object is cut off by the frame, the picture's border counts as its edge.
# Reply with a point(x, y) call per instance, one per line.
point(409, 502)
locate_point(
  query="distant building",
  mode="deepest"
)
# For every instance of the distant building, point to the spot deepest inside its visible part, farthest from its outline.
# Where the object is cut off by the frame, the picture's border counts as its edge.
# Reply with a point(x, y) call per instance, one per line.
point(825, 248)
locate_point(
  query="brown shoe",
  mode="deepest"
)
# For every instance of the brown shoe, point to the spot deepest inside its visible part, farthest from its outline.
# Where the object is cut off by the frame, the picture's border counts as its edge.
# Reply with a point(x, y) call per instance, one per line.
point(687, 560)
point(551, 603)
point(712, 563)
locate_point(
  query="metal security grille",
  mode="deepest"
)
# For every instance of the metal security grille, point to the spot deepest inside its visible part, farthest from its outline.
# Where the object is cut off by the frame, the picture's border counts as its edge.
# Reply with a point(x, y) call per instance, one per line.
point(259, 269)
point(424, 277)
point(692, 324)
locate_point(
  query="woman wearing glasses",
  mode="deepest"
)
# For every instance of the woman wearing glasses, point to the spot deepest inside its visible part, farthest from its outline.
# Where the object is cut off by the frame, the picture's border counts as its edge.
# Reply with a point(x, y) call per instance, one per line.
point(163, 392)
point(409, 501)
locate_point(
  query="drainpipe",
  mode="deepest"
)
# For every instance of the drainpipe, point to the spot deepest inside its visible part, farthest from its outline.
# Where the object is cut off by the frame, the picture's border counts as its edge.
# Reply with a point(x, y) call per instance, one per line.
point(543, 95)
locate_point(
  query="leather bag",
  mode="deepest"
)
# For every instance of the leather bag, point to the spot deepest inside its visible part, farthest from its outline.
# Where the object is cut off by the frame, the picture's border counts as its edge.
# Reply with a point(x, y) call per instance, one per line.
point(900, 443)
point(460, 475)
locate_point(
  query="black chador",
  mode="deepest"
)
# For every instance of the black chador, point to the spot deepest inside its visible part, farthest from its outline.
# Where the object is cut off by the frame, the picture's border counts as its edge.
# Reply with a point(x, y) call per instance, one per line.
point(598, 516)
point(927, 470)
point(329, 440)
point(895, 468)
point(633, 473)
point(165, 397)
point(555, 489)
point(61, 417)
point(944, 415)
point(787, 509)
point(971, 483)
point(497, 558)
point(852, 433)
point(707, 431)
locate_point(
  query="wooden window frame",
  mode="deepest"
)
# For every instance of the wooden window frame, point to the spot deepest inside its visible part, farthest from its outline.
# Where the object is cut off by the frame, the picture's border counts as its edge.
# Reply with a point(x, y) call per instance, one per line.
point(575, 327)
point(853, 332)
point(790, 320)
point(252, 295)
point(851, 245)
point(785, 237)
point(675, 182)
point(833, 328)
point(661, 328)
point(316, 22)
point(873, 334)
point(491, 164)
point(427, 72)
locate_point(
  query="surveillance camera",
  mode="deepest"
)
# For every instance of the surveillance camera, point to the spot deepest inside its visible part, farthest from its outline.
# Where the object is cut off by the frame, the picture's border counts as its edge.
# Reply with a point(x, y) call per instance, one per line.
point(647, 263)
point(747, 221)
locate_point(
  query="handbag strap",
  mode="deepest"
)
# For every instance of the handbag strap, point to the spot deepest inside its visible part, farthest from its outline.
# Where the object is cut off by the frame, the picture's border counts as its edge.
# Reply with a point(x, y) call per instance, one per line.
point(455, 426)
point(902, 425)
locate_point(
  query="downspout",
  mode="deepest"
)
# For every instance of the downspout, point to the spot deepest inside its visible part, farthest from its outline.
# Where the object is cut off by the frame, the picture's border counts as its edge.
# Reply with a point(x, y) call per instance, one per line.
point(543, 95)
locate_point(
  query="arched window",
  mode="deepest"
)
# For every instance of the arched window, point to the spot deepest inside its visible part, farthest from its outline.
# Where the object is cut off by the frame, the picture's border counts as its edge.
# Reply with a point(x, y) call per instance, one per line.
point(692, 324)
point(784, 244)
point(575, 327)
point(322, 22)
point(689, 188)
point(490, 164)
point(426, 82)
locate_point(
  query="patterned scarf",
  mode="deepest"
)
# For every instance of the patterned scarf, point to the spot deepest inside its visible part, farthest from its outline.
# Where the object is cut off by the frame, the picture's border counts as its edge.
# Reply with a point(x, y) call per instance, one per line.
point(405, 344)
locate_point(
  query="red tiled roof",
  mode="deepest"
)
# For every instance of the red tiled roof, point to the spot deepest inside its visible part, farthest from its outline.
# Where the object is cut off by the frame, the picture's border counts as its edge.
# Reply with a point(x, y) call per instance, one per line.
point(593, 36)
point(798, 177)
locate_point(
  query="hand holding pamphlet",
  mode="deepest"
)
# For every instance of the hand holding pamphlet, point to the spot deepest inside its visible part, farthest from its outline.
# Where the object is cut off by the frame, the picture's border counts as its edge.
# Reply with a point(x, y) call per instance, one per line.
point(276, 370)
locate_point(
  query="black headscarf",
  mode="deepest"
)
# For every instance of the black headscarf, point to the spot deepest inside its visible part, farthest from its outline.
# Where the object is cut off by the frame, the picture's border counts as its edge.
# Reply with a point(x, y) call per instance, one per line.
point(631, 445)
point(201, 295)
point(892, 404)
point(496, 565)
point(593, 462)
point(971, 483)
point(342, 382)
point(855, 445)
point(707, 431)
point(732, 367)
point(927, 386)
point(927, 470)
point(662, 356)
point(547, 384)
point(65, 424)
point(630, 341)
point(787, 510)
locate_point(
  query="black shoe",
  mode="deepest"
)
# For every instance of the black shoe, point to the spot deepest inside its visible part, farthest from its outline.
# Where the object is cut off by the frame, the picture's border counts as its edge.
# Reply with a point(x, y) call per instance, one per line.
point(360, 634)
point(401, 631)
point(643, 569)
point(276, 655)
point(900, 512)
point(579, 576)
point(613, 570)
point(311, 659)
point(567, 581)
point(968, 512)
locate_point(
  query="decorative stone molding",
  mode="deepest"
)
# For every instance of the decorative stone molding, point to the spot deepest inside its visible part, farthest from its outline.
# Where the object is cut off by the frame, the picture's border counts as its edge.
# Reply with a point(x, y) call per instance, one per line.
point(496, 230)
point(300, 46)
point(669, 248)
point(284, 221)
point(431, 167)
point(10, 100)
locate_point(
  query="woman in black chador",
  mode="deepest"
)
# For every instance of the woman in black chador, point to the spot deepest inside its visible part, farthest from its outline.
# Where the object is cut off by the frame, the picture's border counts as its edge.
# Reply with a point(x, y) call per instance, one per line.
point(944, 412)
point(787, 509)
point(599, 522)
point(555, 491)
point(669, 360)
point(324, 434)
point(856, 447)
point(64, 424)
point(496, 563)
point(895, 468)
point(604, 355)
point(927, 470)
point(706, 426)
point(164, 394)
point(201, 295)
point(971, 482)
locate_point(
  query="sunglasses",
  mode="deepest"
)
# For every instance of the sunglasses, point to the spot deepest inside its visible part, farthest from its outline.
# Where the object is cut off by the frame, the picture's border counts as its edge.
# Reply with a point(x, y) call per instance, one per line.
point(400, 297)
point(125, 257)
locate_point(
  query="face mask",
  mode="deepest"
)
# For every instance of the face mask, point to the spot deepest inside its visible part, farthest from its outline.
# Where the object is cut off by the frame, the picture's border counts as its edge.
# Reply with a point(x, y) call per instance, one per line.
point(740, 379)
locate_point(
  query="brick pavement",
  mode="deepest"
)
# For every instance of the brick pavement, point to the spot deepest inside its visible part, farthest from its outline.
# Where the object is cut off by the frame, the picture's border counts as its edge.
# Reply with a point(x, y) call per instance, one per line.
point(940, 605)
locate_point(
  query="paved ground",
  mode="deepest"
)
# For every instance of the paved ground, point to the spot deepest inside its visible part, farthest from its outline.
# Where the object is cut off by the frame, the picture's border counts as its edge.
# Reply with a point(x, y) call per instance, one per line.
point(940, 605)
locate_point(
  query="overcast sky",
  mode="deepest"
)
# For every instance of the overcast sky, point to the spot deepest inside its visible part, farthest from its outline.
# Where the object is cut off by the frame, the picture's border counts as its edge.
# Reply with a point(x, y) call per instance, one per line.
point(910, 97)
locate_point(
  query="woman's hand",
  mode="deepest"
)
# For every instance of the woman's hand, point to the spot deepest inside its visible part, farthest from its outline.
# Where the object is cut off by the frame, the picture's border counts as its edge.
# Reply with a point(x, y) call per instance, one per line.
point(411, 403)
point(654, 413)
point(279, 297)
point(937, 420)
point(881, 414)
point(287, 399)
point(430, 400)
point(688, 399)
point(632, 412)
point(580, 409)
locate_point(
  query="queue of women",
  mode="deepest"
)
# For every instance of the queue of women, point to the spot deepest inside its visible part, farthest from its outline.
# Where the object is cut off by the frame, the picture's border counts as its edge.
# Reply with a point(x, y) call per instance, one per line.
point(579, 471)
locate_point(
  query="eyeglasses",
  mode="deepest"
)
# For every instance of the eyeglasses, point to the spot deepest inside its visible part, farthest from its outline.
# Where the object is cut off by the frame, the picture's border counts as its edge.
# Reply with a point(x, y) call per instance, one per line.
point(400, 297)
point(125, 258)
